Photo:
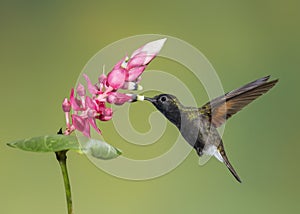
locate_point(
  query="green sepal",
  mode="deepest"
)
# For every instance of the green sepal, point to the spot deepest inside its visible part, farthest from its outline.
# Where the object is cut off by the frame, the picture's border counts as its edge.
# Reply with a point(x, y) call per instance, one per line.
point(101, 150)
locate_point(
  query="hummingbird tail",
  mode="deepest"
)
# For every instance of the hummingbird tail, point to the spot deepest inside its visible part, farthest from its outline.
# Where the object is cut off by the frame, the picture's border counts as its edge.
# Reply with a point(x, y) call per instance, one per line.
point(228, 164)
point(233, 172)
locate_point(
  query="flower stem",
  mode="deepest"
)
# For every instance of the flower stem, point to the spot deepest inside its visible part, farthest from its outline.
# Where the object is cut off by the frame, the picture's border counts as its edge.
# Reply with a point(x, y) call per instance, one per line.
point(62, 160)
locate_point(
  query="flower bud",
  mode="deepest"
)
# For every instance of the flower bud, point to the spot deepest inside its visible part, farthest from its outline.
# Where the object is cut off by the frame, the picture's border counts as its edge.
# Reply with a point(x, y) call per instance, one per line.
point(118, 98)
point(149, 51)
point(134, 73)
point(104, 118)
point(136, 61)
point(116, 78)
point(107, 112)
point(66, 105)
point(80, 90)
point(102, 79)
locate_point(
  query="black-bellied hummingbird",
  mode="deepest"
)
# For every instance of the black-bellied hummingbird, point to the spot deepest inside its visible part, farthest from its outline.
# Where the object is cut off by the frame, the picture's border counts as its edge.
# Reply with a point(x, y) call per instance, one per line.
point(198, 126)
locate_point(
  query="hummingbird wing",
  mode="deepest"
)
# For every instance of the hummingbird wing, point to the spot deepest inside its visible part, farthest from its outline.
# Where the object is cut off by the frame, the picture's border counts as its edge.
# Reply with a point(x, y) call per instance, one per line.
point(223, 107)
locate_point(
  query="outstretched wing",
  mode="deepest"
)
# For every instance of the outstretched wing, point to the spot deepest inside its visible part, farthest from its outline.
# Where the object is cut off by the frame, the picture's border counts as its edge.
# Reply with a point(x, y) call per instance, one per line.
point(223, 107)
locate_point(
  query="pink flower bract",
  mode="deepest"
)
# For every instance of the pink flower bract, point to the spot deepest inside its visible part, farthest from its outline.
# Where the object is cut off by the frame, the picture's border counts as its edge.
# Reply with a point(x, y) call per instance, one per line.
point(126, 75)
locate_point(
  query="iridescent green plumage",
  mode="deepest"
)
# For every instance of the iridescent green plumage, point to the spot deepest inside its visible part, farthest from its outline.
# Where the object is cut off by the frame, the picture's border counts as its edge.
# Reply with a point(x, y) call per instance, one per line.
point(199, 126)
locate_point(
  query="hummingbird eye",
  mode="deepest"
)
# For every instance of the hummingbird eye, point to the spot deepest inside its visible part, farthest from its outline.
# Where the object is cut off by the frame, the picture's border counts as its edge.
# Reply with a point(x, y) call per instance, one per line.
point(163, 99)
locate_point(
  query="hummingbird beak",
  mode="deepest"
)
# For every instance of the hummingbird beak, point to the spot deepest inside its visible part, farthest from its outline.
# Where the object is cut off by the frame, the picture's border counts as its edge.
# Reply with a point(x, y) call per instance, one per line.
point(152, 100)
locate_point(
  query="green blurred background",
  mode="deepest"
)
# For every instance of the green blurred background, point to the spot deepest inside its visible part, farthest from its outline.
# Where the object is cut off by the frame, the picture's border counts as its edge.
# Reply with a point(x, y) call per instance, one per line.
point(44, 46)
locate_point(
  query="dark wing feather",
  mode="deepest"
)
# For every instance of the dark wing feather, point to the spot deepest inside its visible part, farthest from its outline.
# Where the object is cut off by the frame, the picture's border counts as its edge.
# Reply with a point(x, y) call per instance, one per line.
point(223, 107)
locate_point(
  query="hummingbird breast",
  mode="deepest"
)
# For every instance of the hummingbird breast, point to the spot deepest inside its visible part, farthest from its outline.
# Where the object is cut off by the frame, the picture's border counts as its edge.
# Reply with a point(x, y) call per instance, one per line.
point(198, 131)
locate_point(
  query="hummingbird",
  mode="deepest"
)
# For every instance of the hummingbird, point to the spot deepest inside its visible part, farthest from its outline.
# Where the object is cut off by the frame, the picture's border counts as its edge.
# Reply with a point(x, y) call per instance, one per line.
point(198, 126)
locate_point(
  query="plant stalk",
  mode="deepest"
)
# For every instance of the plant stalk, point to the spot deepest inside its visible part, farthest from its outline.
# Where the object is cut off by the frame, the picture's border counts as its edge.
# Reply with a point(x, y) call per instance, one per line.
point(62, 160)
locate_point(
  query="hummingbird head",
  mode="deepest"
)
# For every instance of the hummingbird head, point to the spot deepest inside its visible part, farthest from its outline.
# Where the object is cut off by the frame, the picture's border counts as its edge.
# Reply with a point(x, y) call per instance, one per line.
point(168, 105)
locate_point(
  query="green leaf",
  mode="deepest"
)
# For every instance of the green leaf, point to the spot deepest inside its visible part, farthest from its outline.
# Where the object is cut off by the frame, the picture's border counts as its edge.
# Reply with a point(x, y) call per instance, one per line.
point(56, 143)
point(101, 150)
point(48, 143)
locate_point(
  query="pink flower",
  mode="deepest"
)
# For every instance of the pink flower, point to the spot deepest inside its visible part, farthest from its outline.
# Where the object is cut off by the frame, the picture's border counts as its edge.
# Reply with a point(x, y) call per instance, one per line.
point(126, 74)
point(75, 103)
point(92, 88)
point(81, 124)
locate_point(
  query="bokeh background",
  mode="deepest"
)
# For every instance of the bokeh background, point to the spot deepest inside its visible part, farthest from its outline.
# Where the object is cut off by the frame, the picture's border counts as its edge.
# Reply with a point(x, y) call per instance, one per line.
point(45, 45)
